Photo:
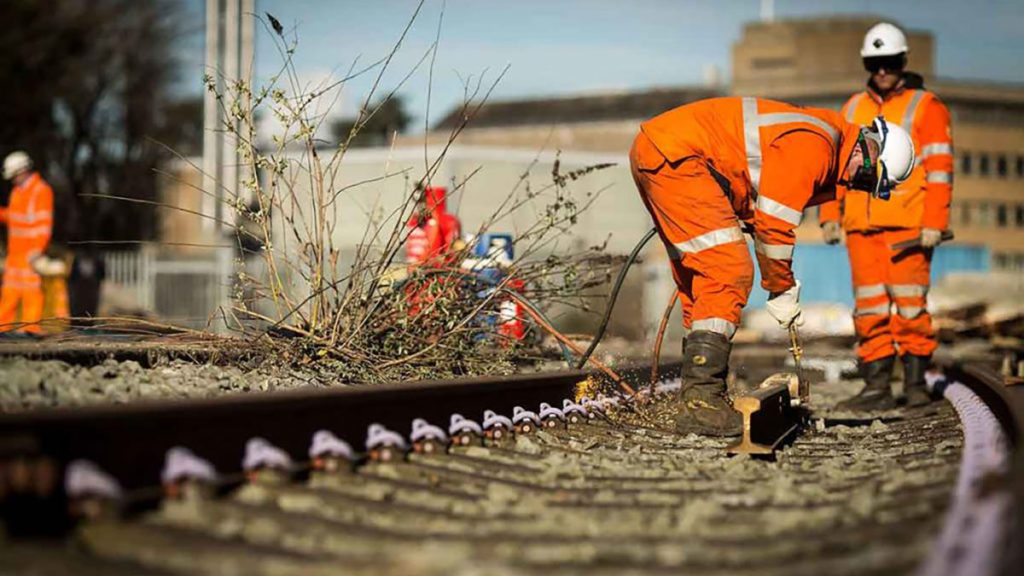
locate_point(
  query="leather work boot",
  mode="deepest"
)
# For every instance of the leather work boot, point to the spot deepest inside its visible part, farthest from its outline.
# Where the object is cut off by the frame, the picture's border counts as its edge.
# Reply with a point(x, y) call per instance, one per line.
point(704, 406)
point(913, 380)
point(876, 394)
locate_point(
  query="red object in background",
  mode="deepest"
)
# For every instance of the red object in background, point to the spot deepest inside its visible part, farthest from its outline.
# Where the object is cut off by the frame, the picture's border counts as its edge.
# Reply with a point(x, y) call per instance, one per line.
point(432, 234)
point(510, 313)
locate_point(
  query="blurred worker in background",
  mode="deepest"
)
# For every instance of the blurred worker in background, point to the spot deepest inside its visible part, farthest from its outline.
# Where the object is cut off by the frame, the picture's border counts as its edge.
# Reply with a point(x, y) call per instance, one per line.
point(919, 209)
point(706, 169)
point(433, 231)
point(29, 220)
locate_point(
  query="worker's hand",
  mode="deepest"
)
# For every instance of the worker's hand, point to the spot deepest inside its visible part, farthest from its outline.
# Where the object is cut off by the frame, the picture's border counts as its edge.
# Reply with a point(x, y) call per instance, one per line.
point(832, 232)
point(785, 307)
point(930, 237)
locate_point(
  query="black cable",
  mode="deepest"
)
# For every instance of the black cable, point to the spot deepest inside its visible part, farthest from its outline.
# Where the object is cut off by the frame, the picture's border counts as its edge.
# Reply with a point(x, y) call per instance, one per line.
point(614, 296)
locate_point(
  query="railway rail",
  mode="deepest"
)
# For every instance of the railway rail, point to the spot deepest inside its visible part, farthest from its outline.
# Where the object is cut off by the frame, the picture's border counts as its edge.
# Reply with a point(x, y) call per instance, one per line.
point(386, 480)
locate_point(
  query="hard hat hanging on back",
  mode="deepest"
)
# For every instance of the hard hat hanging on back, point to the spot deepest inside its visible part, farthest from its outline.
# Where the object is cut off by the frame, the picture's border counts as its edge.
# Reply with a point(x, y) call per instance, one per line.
point(883, 39)
point(895, 159)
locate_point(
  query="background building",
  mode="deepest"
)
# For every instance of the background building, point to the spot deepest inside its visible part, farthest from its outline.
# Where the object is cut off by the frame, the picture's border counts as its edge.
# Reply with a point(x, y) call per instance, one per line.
point(809, 61)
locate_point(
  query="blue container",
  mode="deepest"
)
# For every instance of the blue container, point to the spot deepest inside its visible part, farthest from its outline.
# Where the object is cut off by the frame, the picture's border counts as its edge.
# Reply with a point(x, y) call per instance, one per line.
point(825, 270)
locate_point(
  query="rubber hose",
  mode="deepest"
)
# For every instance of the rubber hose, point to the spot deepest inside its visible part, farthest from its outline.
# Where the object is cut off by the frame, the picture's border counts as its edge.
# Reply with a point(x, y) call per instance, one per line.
point(614, 296)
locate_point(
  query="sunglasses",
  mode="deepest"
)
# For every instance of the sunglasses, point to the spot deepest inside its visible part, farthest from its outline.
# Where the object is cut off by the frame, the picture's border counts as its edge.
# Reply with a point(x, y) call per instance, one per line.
point(887, 63)
point(871, 177)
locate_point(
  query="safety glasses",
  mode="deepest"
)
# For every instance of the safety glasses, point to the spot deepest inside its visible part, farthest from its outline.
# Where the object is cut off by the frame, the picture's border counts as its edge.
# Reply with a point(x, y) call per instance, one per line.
point(872, 177)
point(888, 63)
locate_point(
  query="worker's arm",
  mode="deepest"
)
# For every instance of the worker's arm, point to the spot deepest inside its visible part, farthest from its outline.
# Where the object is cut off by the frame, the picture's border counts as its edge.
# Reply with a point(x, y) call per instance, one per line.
point(41, 217)
point(935, 137)
point(794, 166)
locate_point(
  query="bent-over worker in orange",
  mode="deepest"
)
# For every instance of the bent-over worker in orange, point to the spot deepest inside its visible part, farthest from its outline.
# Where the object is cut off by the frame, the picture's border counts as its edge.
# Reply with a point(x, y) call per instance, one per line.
point(710, 171)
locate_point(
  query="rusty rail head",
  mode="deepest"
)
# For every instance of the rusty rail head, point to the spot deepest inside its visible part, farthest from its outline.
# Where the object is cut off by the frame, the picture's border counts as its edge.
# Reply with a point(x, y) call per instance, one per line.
point(768, 415)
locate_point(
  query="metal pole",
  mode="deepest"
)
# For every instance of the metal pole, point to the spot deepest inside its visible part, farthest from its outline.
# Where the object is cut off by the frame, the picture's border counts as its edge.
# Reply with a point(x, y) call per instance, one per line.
point(247, 64)
point(211, 117)
point(229, 150)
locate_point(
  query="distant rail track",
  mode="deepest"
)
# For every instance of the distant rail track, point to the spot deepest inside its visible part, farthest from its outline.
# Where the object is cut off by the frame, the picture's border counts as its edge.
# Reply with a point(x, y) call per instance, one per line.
point(575, 492)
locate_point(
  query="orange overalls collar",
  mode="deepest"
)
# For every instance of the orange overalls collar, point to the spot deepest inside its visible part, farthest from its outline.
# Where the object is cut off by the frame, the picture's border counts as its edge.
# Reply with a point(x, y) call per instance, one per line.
point(899, 89)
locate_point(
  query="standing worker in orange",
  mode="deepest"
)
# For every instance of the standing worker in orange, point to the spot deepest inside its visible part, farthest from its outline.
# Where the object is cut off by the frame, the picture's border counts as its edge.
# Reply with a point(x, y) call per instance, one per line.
point(29, 220)
point(708, 170)
point(918, 210)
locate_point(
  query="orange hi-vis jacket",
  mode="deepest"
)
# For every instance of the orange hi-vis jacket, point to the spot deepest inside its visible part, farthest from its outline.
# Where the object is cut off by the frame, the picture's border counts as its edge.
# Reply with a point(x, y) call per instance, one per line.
point(923, 199)
point(29, 219)
point(773, 159)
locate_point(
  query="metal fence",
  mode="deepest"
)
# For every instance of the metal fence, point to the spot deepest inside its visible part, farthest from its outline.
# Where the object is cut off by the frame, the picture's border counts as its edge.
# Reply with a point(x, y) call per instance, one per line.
point(182, 290)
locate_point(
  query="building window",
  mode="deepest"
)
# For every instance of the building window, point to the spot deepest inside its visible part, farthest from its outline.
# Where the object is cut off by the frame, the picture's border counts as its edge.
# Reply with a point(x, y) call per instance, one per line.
point(965, 162)
point(1020, 215)
point(983, 164)
point(965, 213)
point(1000, 261)
point(983, 214)
point(1020, 166)
point(1002, 167)
point(1002, 216)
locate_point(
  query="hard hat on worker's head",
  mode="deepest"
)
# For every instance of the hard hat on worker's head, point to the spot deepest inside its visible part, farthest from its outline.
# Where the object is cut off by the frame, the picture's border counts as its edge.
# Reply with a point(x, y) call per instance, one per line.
point(895, 159)
point(883, 39)
point(16, 163)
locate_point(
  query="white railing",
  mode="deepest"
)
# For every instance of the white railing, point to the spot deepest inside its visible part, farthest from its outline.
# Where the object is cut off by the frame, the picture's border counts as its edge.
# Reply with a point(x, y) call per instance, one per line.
point(185, 291)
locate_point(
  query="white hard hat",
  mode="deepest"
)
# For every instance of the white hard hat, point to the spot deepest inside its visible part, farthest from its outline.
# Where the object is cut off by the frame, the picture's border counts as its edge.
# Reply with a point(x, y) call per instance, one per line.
point(883, 39)
point(896, 159)
point(16, 162)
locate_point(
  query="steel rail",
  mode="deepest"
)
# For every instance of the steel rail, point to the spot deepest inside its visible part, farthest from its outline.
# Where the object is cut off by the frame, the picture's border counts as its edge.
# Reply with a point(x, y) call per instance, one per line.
point(129, 441)
point(981, 533)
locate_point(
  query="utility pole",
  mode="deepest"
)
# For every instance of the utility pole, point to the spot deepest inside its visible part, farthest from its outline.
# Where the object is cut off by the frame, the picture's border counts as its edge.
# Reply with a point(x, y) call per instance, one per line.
point(229, 59)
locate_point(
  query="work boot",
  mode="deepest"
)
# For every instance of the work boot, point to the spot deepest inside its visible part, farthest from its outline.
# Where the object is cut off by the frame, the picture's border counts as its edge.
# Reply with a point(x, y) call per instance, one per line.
point(914, 390)
point(876, 394)
point(704, 406)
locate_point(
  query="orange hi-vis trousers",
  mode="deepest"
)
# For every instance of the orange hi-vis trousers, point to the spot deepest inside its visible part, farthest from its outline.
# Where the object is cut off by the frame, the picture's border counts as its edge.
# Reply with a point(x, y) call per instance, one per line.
point(711, 263)
point(30, 297)
point(884, 279)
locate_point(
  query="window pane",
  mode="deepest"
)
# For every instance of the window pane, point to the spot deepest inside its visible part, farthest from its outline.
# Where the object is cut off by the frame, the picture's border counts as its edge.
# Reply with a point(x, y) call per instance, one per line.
point(1001, 166)
point(983, 167)
point(965, 213)
point(1001, 215)
point(1020, 215)
point(965, 162)
point(984, 214)
point(1020, 166)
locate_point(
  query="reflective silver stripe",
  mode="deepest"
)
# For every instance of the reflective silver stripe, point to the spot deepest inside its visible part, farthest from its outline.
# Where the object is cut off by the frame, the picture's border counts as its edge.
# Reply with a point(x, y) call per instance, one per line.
point(940, 177)
point(31, 217)
point(908, 116)
point(877, 309)
point(909, 312)
point(752, 137)
point(779, 210)
point(710, 240)
point(752, 123)
point(908, 290)
point(936, 150)
point(774, 251)
point(23, 232)
point(717, 325)
point(851, 108)
point(869, 291)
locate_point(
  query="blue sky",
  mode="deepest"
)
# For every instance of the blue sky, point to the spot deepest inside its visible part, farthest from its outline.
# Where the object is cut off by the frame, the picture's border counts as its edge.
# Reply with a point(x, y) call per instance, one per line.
point(573, 46)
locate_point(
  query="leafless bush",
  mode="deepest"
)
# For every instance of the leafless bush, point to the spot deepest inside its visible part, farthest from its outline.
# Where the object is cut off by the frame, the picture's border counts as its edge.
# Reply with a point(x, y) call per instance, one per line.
point(373, 316)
